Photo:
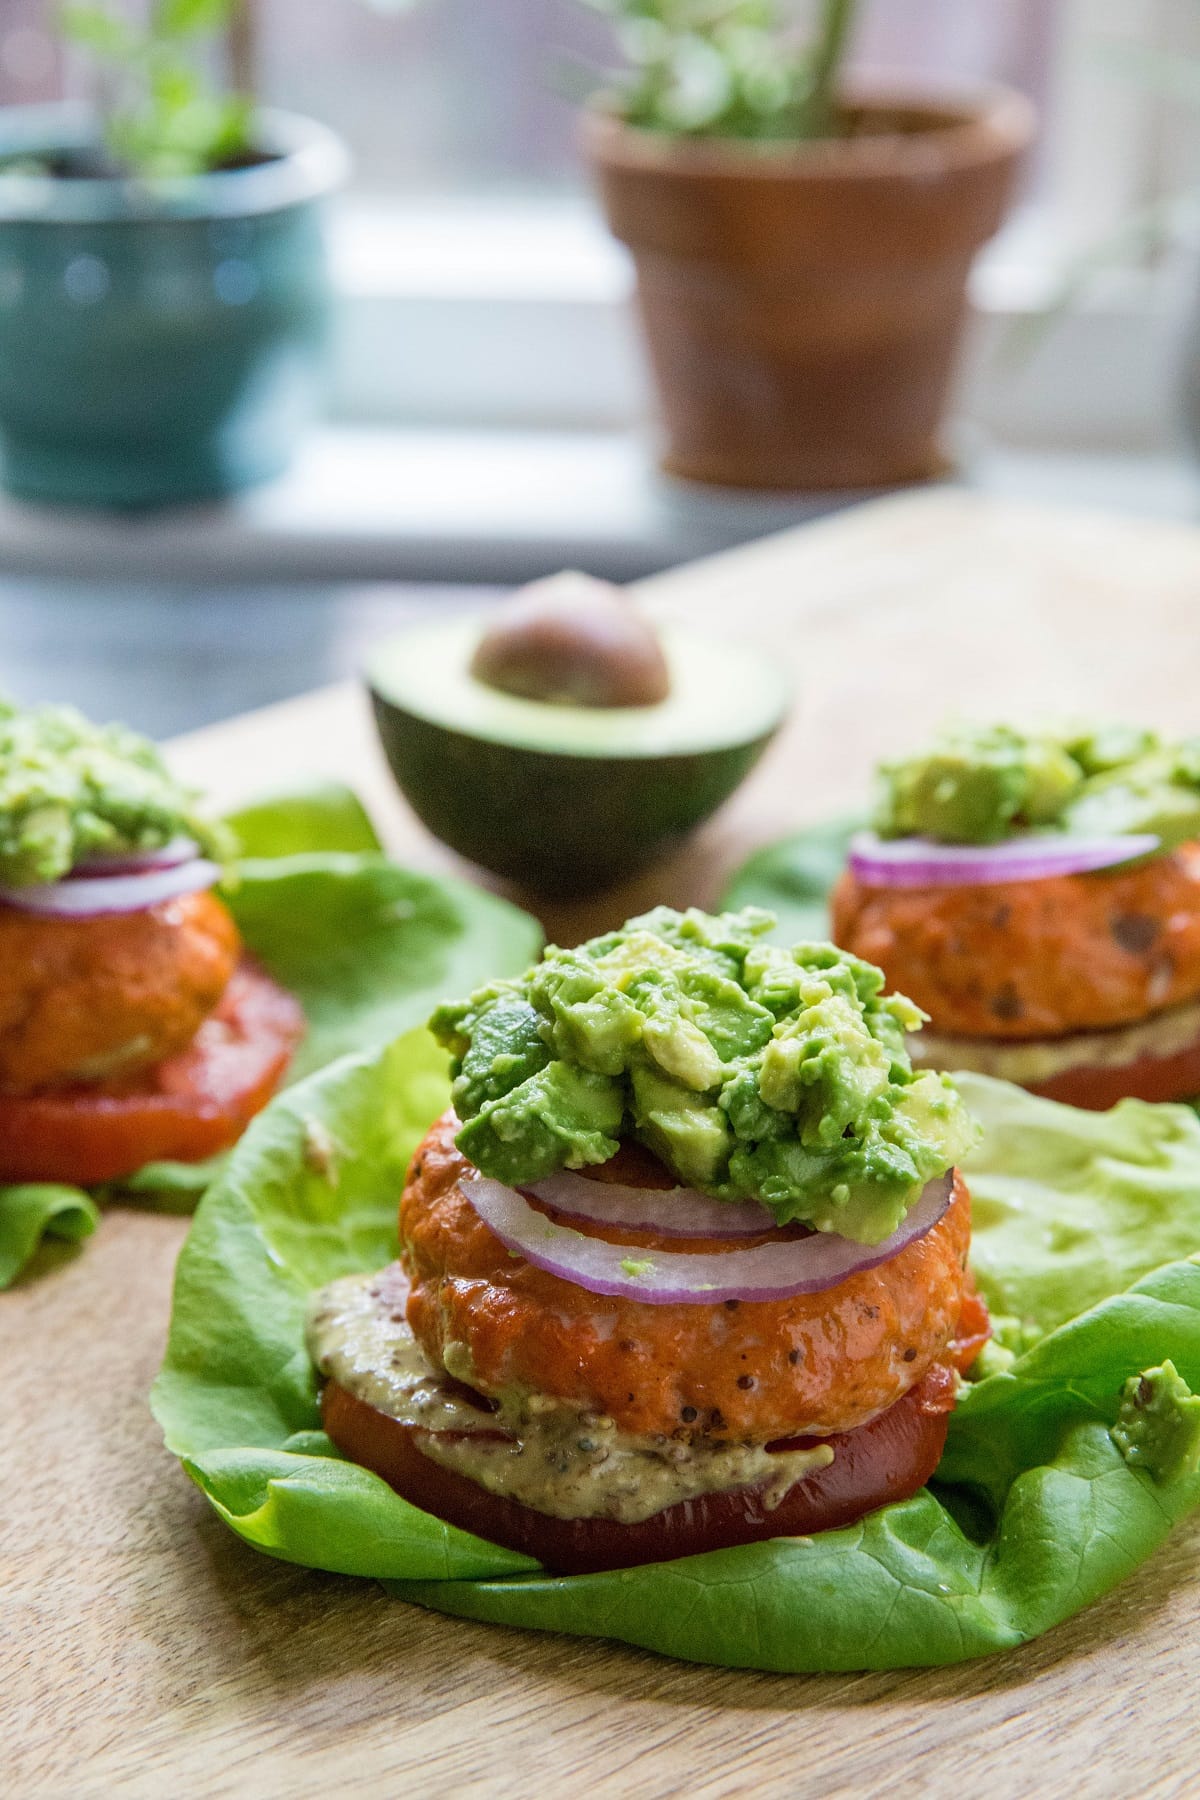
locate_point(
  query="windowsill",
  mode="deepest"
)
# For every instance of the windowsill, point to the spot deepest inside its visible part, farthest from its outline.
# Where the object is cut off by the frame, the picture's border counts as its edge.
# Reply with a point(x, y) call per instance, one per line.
point(512, 314)
point(473, 506)
point(424, 504)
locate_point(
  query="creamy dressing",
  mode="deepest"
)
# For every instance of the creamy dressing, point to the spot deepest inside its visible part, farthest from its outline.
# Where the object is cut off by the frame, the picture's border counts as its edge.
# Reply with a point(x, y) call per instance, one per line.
point(556, 1458)
point(1037, 1060)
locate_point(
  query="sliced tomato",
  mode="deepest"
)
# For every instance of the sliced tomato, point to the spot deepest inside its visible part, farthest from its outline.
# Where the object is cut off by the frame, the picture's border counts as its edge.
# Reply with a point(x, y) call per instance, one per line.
point(1095, 1089)
point(885, 1460)
point(188, 1108)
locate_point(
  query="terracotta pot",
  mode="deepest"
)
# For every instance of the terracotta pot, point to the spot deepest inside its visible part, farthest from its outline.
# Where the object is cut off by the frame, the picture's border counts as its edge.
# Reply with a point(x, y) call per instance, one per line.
point(803, 305)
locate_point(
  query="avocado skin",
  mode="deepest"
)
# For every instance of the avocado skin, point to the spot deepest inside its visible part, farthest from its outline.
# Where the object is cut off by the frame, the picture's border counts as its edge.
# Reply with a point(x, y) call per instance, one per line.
point(550, 821)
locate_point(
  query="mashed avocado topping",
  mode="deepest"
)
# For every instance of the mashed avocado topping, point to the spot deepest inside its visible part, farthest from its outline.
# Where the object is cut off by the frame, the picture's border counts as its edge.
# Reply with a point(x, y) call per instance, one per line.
point(1158, 1426)
point(752, 1071)
point(69, 789)
point(978, 784)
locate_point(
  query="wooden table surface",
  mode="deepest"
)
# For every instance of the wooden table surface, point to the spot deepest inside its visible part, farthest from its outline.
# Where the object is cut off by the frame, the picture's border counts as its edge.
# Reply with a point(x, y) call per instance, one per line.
point(145, 1651)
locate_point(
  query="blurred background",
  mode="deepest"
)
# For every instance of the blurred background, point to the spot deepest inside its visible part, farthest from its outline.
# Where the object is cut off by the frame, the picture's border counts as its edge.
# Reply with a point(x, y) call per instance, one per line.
point(486, 411)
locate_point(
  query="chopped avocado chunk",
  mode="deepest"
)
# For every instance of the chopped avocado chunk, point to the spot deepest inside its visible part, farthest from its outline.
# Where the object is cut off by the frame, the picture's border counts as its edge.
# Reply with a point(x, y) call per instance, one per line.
point(1158, 792)
point(752, 1071)
point(561, 1117)
point(70, 789)
point(978, 784)
point(1158, 1426)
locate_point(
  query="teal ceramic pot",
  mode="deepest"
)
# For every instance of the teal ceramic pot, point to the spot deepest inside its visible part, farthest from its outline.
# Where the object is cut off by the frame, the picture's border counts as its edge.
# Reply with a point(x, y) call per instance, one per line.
point(159, 341)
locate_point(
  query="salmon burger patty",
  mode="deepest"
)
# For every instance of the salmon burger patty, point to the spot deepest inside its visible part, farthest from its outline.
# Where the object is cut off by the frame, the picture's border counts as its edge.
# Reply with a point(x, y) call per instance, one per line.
point(823, 1363)
point(1035, 959)
point(100, 1000)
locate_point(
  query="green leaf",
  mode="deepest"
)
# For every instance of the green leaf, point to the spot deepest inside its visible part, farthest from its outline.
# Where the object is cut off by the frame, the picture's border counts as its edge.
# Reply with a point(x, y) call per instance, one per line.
point(325, 1513)
point(169, 1187)
point(294, 821)
point(793, 878)
point(30, 1213)
point(164, 117)
point(1068, 1206)
point(237, 1396)
point(368, 947)
point(190, 18)
point(230, 128)
point(1057, 1516)
point(105, 34)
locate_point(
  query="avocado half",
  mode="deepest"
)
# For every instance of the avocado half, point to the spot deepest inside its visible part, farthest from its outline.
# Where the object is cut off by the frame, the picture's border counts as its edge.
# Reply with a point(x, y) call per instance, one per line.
point(566, 799)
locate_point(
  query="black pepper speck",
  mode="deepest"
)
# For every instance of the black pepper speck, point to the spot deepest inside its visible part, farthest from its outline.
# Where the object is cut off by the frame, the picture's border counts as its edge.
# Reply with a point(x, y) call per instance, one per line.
point(1135, 932)
point(1006, 1002)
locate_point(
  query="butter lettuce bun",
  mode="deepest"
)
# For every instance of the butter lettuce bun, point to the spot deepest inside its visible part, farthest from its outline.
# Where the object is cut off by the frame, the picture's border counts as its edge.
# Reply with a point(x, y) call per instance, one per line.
point(133, 1028)
point(1038, 896)
point(684, 1267)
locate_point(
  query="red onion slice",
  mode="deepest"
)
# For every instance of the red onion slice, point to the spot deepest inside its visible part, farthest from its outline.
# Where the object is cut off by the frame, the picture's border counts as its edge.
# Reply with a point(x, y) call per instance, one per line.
point(919, 862)
point(674, 1278)
point(135, 862)
point(94, 897)
point(671, 1212)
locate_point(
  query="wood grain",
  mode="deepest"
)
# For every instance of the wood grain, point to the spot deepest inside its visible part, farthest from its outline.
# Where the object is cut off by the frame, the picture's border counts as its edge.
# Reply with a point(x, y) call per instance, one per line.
point(146, 1651)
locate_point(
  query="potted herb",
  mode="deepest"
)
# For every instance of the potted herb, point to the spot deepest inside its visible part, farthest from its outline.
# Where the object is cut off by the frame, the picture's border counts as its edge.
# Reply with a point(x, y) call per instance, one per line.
point(163, 290)
point(802, 244)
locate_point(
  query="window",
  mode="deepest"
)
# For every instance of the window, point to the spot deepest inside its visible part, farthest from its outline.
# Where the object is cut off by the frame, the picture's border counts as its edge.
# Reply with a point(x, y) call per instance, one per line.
point(480, 285)
point(30, 66)
point(472, 94)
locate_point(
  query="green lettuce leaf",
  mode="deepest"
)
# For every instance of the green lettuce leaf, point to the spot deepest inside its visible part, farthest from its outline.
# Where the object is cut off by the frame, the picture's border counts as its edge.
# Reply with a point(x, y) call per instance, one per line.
point(298, 821)
point(1034, 1513)
point(34, 1211)
point(367, 947)
point(1068, 1207)
point(311, 1192)
point(171, 1187)
point(792, 879)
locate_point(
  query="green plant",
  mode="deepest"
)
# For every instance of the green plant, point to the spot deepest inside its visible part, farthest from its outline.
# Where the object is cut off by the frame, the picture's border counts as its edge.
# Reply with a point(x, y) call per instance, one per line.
point(161, 113)
point(728, 68)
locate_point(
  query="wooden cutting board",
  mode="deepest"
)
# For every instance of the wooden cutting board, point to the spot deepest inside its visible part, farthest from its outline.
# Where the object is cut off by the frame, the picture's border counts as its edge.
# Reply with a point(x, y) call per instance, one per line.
point(146, 1651)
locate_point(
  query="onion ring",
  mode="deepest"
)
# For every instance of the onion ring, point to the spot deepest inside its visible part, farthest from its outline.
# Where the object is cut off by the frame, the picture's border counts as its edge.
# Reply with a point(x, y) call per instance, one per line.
point(671, 1212)
point(773, 1271)
point(94, 896)
point(919, 862)
point(135, 862)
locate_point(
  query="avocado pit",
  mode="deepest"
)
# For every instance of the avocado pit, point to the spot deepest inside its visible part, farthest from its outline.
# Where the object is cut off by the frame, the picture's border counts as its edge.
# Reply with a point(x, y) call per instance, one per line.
point(572, 641)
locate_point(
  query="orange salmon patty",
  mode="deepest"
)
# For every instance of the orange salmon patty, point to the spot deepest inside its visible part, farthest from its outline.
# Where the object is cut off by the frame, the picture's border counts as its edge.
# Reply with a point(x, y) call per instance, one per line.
point(188, 1107)
point(1037, 958)
point(749, 1370)
point(100, 1000)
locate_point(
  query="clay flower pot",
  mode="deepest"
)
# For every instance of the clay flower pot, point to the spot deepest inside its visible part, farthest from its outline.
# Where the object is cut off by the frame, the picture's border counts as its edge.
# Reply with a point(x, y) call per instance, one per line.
point(803, 305)
point(160, 341)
